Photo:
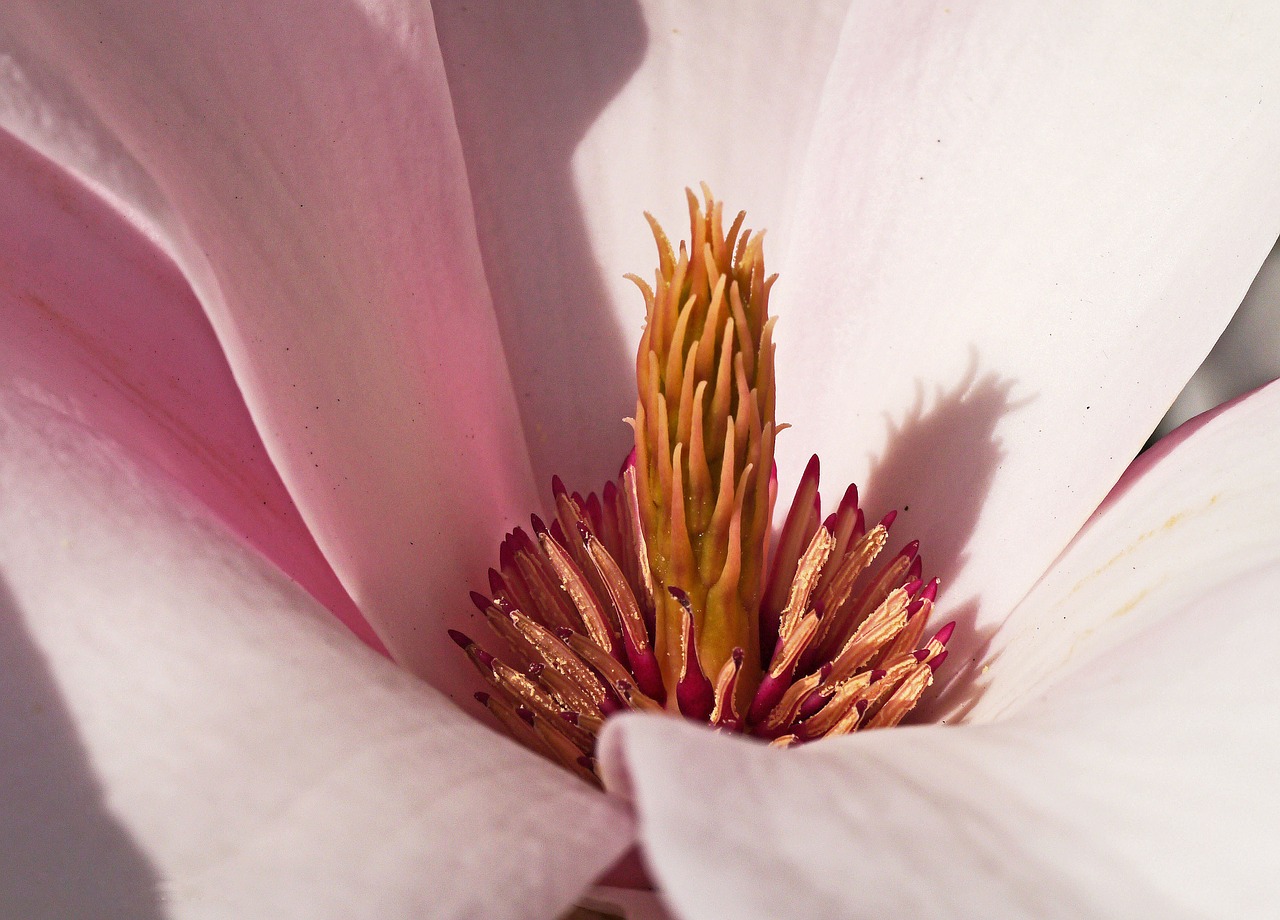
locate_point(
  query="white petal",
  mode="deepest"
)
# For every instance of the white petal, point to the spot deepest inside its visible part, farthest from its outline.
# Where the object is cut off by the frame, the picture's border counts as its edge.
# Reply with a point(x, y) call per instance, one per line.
point(576, 118)
point(1143, 787)
point(189, 735)
point(1021, 229)
point(1247, 355)
point(79, 303)
point(314, 194)
point(1199, 508)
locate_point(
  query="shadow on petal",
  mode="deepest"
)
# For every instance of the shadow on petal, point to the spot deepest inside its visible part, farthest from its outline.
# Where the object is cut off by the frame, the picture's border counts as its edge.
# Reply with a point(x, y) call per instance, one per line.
point(62, 852)
point(941, 460)
point(527, 82)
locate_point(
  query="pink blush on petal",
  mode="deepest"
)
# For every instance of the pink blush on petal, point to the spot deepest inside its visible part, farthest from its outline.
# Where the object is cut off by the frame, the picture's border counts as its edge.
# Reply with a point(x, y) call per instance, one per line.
point(99, 320)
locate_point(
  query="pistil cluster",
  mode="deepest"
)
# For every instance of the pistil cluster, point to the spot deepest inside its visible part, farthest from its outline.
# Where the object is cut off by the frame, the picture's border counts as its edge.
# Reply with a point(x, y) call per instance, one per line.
point(666, 592)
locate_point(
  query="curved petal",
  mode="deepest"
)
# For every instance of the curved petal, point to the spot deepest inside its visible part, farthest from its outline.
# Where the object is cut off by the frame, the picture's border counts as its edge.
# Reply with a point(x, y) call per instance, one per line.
point(1143, 787)
point(80, 293)
point(189, 735)
point(1199, 508)
point(575, 118)
point(317, 202)
point(1021, 229)
point(1247, 355)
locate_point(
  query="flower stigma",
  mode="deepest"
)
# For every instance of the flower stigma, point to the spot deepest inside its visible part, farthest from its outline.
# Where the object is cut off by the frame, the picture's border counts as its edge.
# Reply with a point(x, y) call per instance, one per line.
point(667, 591)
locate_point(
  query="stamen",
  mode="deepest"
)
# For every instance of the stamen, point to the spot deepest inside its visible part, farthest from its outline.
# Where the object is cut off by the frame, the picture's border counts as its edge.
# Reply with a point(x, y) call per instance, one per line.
point(694, 693)
point(725, 713)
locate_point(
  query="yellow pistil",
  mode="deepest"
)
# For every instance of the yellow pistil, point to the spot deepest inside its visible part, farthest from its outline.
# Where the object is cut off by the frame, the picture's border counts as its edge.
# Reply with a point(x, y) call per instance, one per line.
point(704, 436)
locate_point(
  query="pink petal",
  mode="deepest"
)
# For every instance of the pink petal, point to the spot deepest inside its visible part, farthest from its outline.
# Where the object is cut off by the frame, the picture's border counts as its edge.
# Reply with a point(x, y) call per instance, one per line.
point(1020, 231)
point(189, 734)
point(1142, 786)
point(577, 117)
point(1199, 509)
point(94, 314)
point(314, 194)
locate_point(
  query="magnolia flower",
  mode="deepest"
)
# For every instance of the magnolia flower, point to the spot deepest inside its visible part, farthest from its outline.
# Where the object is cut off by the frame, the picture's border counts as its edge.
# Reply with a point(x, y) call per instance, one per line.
point(300, 310)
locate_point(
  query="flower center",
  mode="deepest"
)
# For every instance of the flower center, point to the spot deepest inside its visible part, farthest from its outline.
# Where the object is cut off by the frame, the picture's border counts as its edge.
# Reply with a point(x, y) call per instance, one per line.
point(663, 592)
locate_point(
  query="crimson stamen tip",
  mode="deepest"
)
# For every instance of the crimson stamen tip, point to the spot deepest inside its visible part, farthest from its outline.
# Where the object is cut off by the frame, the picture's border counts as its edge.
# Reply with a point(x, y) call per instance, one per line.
point(462, 640)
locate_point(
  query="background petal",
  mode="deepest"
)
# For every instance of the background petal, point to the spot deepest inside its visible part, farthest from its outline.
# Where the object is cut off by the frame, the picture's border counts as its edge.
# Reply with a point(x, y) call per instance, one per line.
point(575, 118)
point(93, 312)
point(189, 735)
point(1246, 356)
point(1141, 786)
point(1199, 508)
point(1021, 229)
point(313, 193)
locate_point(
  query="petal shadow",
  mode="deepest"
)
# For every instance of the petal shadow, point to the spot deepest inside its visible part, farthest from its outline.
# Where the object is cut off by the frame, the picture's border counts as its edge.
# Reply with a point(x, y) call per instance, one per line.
point(938, 465)
point(528, 80)
point(62, 852)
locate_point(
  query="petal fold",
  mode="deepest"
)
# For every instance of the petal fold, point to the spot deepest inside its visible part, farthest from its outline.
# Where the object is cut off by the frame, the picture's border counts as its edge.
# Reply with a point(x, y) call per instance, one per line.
point(82, 294)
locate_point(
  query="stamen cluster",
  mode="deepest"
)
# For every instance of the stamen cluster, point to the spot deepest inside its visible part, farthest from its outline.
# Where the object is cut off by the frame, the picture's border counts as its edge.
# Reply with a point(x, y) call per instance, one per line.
point(663, 593)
